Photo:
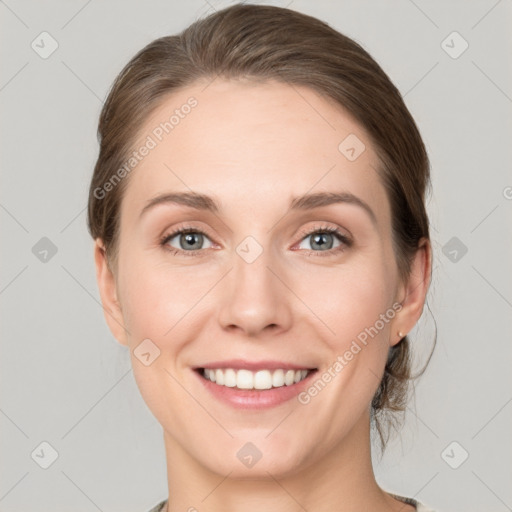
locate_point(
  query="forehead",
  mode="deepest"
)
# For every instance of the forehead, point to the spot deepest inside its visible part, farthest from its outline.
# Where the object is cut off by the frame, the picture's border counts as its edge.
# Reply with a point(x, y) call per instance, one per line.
point(265, 142)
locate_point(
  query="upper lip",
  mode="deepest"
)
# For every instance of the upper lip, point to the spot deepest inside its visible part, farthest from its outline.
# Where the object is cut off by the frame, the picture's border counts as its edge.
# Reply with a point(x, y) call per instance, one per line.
point(241, 364)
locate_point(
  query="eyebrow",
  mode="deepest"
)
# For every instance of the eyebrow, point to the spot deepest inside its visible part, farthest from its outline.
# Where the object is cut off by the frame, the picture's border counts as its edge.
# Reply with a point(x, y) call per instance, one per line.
point(301, 203)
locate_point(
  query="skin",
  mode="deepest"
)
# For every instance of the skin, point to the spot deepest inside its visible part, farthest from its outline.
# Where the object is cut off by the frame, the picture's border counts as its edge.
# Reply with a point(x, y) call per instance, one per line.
point(254, 146)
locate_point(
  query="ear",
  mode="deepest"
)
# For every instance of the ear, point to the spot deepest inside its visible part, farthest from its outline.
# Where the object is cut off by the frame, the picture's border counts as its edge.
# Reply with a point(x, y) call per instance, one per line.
point(412, 294)
point(108, 293)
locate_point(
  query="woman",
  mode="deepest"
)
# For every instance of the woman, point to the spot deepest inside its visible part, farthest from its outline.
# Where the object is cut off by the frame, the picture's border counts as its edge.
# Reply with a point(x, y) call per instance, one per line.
point(262, 247)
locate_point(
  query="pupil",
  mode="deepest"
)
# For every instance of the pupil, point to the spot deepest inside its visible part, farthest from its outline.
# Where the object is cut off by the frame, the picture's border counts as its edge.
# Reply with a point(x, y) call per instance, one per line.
point(189, 240)
point(319, 240)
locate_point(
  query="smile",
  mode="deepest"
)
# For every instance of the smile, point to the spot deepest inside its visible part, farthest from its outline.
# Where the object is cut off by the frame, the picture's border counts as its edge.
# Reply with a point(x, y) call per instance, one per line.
point(261, 379)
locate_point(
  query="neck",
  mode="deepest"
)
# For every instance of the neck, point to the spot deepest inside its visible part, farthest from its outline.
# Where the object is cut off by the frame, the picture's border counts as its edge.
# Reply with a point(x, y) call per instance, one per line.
point(343, 480)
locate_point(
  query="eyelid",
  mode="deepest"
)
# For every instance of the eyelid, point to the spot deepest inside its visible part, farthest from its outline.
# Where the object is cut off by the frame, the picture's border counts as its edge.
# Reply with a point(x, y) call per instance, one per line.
point(184, 228)
point(345, 238)
point(327, 228)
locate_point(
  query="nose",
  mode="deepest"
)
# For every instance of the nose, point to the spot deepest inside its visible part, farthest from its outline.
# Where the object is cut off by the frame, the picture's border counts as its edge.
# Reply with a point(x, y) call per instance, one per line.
point(255, 298)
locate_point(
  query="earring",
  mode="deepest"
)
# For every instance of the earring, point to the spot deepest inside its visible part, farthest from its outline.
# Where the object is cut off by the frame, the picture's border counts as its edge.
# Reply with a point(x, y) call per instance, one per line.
point(400, 334)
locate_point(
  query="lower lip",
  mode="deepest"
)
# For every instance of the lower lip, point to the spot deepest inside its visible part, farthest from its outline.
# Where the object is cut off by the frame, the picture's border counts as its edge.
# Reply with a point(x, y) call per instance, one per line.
point(252, 398)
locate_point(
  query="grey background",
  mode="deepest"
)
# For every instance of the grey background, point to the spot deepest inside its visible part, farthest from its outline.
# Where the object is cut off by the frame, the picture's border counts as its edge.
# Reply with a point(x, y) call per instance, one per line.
point(66, 381)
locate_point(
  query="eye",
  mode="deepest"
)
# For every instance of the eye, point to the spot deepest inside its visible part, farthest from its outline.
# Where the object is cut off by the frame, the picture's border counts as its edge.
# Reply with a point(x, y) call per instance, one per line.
point(185, 240)
point(190, 241)
point(323, 240)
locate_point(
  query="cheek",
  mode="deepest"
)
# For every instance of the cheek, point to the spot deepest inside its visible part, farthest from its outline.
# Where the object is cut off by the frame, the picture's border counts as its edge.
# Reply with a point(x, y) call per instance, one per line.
point(349, 301)
point(356, 306)
point(158, 310)
point(158, 300)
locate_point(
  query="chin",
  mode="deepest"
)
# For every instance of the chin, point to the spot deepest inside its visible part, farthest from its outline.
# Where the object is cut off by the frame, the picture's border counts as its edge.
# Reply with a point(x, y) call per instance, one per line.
point(257, 460)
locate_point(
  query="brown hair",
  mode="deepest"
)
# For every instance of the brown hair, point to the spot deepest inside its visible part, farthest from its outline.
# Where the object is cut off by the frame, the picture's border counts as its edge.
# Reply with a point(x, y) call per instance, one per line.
point(260, 43)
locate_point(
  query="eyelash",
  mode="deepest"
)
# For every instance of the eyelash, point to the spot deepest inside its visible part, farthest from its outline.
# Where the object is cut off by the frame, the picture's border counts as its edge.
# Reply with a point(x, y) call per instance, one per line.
point(346, 242)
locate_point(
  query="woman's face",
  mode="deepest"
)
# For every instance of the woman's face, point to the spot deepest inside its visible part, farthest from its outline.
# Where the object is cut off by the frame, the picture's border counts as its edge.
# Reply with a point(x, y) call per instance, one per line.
point(260, 280)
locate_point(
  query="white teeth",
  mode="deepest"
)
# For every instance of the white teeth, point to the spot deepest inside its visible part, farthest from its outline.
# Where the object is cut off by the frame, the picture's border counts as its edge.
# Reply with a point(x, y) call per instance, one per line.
point(244, 379)
point(278, 378)
point(262, 379)
point(289, 377)
point(230, 378)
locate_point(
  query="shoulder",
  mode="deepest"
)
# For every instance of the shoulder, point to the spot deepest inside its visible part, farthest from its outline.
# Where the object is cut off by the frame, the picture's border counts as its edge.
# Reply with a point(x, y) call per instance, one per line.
point(411, 501)
point(423, 508)
point(161, 505)
point(419, 506)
